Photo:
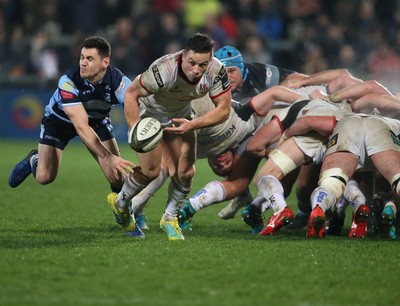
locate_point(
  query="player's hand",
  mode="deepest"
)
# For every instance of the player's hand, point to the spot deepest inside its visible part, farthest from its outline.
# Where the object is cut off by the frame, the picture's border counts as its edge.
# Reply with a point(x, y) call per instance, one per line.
point(120, 165)
point(318, 94)
point(179, 126)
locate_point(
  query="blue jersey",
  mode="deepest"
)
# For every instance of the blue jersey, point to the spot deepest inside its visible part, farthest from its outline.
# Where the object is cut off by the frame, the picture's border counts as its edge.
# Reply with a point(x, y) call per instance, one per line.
point(97, 99)
point(257, 78)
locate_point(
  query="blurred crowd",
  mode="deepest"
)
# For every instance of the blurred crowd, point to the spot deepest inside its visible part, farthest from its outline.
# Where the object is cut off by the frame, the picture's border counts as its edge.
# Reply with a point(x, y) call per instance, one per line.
point(39, 39)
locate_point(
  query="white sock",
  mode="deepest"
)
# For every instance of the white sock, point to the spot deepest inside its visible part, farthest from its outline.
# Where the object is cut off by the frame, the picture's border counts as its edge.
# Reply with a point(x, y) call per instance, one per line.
point(261, 203)
point(177, 194)
point(213, 192)
point(342, 203)
point(139, 201)
point(271, 188)
point(128, 191)
point(354, 195)
point(323, 198)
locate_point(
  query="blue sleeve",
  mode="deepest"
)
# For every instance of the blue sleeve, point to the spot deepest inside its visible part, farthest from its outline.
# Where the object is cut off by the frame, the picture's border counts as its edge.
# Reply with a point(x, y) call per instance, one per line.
point(120, 91)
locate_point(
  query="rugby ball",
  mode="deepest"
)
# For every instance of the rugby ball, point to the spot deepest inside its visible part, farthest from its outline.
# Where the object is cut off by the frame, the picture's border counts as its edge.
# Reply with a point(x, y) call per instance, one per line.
point(145, 135)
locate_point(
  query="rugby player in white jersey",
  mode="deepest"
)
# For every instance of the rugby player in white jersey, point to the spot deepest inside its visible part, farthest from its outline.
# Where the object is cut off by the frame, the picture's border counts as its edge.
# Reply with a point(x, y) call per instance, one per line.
point(165, 92)
point(356, 138)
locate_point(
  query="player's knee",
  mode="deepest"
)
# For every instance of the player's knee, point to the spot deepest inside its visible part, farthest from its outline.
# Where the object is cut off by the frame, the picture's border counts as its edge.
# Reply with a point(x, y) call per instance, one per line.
point(333, 180)
point(144, 178)
point(44, 178)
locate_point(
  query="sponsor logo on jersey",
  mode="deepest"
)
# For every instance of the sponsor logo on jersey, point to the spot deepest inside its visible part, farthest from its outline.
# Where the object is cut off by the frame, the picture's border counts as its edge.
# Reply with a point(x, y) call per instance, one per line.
point(395, 138)
point(268, 75)
point(157, 76)
point(332, 141)
point(223, 78)
point(66, 95)
point(120, 87)
point(221, 137)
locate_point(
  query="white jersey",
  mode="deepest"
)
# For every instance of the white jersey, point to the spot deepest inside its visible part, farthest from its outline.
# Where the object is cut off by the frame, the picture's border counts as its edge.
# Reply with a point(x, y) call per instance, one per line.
point(214, 140)
point(169, 91)
point(364, 135)
point(312, 144)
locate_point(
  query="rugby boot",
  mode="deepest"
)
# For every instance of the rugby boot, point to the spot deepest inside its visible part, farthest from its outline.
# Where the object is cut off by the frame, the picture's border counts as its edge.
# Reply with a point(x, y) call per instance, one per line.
point(229, 211)
point(359, 224)
point(300, 221)
point(185, 215)
point(316, 223)
point(334, 224)
point(388, 222)
point(124, 219)
point(21, 170)
point(171, 228)
point(141, 221)
point(277, 221)
point(251, 215)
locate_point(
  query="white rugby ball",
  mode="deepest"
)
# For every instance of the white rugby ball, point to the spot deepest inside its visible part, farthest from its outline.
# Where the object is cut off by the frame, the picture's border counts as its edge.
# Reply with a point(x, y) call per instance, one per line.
point(145, 135)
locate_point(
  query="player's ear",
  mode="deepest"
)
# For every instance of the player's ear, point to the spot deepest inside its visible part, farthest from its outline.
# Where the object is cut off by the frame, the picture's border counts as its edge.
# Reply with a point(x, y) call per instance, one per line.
point(106, 62)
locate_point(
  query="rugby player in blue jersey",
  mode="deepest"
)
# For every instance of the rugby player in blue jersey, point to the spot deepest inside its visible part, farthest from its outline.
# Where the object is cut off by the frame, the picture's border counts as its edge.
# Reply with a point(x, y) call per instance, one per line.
point(80, 106)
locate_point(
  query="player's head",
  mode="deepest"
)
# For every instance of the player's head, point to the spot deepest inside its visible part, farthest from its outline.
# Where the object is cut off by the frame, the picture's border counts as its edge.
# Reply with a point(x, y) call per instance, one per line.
point(230, 57)
point(233, 61)
point(96, 42)
point(197, 56)
point(94, 58)
point(221, 164)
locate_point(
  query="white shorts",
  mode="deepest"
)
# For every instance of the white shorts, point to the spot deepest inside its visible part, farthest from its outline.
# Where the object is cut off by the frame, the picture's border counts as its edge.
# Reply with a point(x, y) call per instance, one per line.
point(364, 136)
point(312, 146)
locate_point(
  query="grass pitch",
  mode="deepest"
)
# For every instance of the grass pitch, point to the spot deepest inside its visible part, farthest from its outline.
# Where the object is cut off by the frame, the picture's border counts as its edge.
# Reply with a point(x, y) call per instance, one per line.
point(60, 245)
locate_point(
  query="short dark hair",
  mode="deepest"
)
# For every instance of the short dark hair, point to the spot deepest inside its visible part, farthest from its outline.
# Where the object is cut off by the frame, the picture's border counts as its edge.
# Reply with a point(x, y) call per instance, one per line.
point(99, 43)
point(200, 43)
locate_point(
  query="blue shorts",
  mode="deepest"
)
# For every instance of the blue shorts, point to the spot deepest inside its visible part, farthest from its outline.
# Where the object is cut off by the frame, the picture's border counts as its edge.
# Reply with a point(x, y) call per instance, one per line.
point(57, 133)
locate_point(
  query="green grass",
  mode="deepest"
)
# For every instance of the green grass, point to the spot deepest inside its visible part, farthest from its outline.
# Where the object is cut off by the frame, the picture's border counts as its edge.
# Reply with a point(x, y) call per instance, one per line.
point(59, 245)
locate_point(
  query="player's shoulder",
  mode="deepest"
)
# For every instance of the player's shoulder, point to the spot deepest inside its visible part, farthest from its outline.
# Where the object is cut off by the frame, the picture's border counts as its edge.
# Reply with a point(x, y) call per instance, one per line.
point(71, 80)
point(171, 59)
point(115, 72)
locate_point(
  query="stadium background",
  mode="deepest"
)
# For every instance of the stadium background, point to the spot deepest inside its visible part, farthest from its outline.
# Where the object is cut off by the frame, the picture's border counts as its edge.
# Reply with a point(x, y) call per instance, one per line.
point(40, 39)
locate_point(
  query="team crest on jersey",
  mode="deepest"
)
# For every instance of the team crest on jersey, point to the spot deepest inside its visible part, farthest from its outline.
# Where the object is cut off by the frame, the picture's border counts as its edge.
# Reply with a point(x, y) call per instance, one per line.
point(203, 88)
point(395, 138)
point(157, 76)
point(332, 141)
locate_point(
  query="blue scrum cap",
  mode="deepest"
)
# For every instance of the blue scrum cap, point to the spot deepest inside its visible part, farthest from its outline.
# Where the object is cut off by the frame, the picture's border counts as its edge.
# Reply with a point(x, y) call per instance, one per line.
point(230, 56)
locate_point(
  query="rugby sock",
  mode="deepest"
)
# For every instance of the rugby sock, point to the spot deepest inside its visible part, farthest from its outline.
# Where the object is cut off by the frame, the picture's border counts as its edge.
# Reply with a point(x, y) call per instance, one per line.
point(261, 203)
point(354, 195)
point(128, 191)
point(177, 194)
point(213, 192)
point(272, 190)
point(34, 161)
point(139, 201)
point(322, 197)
